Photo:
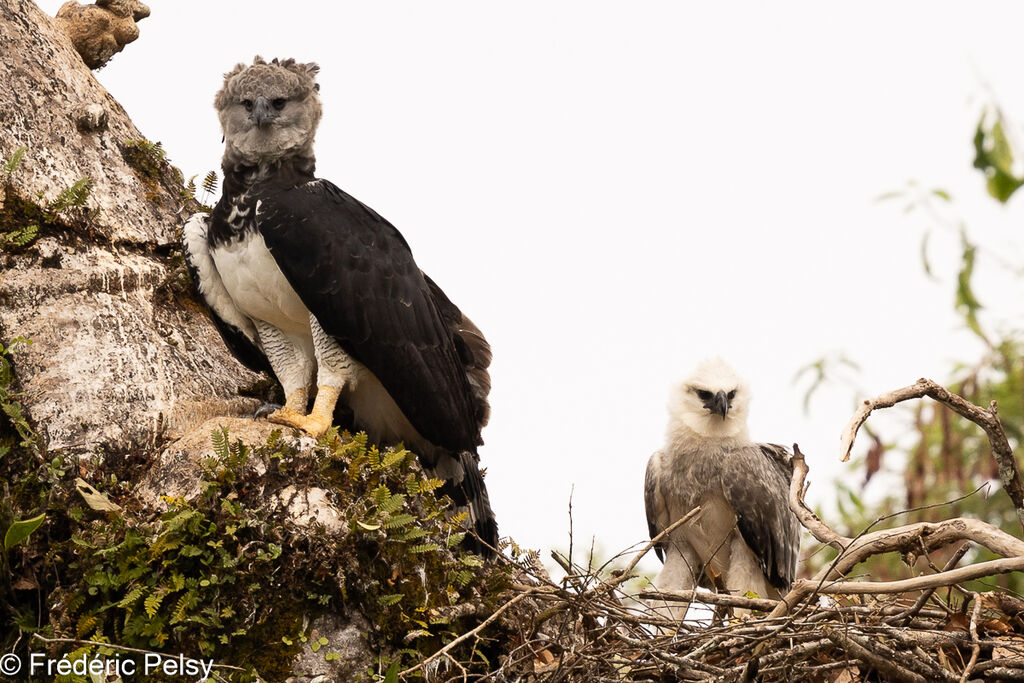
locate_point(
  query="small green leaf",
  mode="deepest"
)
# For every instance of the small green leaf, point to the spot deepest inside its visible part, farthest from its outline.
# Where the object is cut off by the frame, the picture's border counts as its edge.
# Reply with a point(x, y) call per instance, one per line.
point(20, 530)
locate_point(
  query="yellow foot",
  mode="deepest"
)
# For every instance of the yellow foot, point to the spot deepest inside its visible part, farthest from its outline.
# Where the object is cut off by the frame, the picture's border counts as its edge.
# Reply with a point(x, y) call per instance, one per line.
point(312, 424)
point(296, 401)
point(319, 419)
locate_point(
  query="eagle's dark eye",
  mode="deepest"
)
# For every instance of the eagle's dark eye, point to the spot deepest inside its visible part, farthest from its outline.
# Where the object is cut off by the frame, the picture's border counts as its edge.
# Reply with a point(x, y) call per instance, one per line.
point(703, 395)
point(731, 394)
point(247, 104)
point(279, 103)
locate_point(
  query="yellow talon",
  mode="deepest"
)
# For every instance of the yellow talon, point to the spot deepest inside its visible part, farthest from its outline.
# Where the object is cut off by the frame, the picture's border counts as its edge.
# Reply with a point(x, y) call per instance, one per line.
point(319, 419)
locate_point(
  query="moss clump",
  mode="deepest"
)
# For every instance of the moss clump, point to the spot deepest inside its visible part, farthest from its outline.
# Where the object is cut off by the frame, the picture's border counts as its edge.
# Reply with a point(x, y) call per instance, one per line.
point(149, 162)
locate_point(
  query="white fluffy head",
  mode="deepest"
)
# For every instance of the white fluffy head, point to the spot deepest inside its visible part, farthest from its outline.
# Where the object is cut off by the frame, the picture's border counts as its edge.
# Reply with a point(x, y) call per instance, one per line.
point(697, 404)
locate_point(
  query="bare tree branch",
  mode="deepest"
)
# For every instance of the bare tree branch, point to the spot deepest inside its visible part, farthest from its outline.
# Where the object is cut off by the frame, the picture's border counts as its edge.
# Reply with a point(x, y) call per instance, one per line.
point(988, 420)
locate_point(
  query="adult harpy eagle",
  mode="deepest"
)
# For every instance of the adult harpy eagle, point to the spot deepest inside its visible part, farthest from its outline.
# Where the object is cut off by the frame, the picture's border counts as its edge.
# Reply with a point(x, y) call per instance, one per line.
point(306, 282)
point(745, 536)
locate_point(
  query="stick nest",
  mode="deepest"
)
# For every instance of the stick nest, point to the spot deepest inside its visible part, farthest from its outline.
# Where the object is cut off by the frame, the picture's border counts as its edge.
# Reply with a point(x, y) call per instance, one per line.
point(829, 627)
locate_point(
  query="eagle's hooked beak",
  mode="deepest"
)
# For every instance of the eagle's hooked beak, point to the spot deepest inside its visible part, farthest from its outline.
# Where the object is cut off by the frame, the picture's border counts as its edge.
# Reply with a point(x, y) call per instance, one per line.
point(262, 112)
point(720, 404)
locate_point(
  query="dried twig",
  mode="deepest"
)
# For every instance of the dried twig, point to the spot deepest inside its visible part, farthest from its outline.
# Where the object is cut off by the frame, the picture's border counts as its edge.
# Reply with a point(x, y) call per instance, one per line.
point(988, 420)
point(469, 634)
point(904, 619)
point(975, 646)
point(862, 649)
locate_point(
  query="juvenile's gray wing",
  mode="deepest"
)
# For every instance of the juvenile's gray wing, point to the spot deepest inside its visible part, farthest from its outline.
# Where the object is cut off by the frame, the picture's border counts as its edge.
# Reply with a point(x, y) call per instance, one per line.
point(755, 480)
point(654, 504)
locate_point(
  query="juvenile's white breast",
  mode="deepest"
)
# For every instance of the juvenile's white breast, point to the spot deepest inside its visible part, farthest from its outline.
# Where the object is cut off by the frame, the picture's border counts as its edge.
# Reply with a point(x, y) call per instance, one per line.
point(258, 287)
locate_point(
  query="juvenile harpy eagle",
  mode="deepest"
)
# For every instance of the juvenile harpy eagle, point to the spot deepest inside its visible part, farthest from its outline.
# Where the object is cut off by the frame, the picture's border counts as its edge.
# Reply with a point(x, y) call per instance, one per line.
point(305, 281)
point(745, 537)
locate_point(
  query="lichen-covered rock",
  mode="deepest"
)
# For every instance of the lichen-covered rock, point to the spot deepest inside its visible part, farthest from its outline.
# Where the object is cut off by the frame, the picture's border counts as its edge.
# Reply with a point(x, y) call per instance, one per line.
point(101, 30)
point(122, 356)
point(346, 638)
point(176, 472)
point(46, 90)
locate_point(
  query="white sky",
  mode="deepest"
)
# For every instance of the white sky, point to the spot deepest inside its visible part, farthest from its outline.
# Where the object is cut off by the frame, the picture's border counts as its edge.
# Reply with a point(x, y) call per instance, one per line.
point(613, 191)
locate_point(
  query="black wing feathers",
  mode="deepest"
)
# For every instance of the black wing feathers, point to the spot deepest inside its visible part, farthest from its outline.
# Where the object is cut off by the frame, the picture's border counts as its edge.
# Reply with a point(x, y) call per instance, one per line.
point(357, 276)
point(759, 498)
point(651, 504)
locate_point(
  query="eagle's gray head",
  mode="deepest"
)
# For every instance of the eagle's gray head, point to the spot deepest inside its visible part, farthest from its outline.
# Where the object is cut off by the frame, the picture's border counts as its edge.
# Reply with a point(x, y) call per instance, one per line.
point(268, 112)
point(711, 403)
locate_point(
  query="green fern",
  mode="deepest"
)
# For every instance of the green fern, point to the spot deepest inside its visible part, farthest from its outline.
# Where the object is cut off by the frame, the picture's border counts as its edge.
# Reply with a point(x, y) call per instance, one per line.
point(398, 521)
point(389, 599)
point(210, 182)
point(70, 196)
point(381, 494)
point(424, 548)
point(19, 237)
point(393, 504)
point(185, 603)
point(220, 443)
point(374, 457)
point(410, 535)
point(394, 457)
point(86, 624)
point(189, 192)
point(11, 165)
point(133, 595)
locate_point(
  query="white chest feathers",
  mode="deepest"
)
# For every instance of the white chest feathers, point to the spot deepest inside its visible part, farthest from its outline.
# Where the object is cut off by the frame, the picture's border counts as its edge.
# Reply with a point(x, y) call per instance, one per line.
point(257, 286)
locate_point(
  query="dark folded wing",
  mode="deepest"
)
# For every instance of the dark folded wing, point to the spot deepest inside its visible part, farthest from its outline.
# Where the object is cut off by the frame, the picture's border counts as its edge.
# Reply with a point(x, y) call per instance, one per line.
point(357, 276)
point(755, 480)
point(473, 350)
point(652, 503)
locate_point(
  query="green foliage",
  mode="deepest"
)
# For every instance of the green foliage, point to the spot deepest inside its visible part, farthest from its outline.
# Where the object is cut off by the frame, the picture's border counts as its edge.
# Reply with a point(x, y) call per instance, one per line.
point(20, 530)
point(210, 182)
point(993, 156)
point(149, 162)
point(15, 430)
point(230, 575)
point(34, 490)
point(147, 155)
point(946, 459)
point(70, 196)
point(21, 219)
point(209, 187)
point(11, 164)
